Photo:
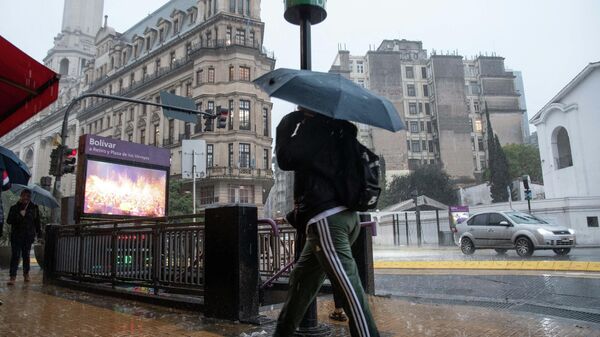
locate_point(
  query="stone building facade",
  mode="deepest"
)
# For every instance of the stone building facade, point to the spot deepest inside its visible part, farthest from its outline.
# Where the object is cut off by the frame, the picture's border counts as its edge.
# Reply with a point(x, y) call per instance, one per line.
point(207, 50)
point(441, 98)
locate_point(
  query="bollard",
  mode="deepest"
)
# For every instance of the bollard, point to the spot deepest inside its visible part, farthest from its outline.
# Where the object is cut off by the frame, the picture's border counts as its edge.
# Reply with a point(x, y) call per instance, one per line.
point(50, 239)
point(362, 250)
point(231, 264)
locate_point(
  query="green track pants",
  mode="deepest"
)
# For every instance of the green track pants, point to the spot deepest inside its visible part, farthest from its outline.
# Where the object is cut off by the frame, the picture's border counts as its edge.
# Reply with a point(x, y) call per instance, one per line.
point(328, 252)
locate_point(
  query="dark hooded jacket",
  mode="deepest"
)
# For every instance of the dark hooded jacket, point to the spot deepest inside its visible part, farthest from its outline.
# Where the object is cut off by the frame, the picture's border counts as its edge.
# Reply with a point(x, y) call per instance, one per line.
point(310, 146)
point(24, 227)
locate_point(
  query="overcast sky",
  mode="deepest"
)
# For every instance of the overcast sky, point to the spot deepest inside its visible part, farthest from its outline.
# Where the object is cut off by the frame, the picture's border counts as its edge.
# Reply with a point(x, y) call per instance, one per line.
point(550, 41)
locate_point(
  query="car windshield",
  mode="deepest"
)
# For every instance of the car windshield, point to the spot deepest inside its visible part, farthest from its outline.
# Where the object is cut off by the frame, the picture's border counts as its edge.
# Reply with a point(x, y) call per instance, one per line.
point(524, 218)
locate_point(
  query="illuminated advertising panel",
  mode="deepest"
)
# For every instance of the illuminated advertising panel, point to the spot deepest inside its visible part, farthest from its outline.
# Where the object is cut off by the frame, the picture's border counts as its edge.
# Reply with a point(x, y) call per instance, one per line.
point(119, 179)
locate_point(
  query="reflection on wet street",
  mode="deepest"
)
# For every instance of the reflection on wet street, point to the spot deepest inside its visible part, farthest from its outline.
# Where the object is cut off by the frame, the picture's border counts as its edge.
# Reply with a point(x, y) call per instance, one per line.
point(36, 310)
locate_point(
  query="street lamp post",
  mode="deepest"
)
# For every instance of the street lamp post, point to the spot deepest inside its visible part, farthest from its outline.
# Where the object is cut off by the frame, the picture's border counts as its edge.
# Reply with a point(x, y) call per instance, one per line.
point(306, 13)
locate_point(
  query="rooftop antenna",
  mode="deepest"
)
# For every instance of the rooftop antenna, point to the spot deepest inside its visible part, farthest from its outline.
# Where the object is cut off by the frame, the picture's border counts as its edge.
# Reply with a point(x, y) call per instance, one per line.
point(105, 21)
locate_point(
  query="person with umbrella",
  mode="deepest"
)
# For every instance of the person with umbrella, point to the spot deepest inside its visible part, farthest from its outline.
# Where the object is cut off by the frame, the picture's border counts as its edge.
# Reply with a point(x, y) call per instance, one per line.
point(313, 142)
point(24, 218)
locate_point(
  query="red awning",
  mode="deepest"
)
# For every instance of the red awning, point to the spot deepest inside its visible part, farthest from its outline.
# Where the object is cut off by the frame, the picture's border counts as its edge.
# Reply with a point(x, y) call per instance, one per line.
point(26, 87)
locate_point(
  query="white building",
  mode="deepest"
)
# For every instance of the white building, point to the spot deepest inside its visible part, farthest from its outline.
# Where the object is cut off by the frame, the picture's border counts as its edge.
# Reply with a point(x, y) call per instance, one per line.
point(567, 134)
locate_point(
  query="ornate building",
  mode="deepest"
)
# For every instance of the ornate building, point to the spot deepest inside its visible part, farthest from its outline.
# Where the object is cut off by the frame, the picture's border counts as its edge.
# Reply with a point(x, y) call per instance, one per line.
point(208, 50)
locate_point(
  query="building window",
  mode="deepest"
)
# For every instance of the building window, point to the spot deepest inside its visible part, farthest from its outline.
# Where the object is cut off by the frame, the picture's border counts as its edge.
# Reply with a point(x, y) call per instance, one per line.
point(410, 90)
point(230, 155)
point(430, 145)
point(172, 58)
point(252, 38)
point(412, 108)
point(266, 159)
point(244, 73)
point(480, 144)
point(171, 133)
point(478, 126)
point(228, 33)
point(240, 6)
point(175, 26)
point(207, 195)
point(231, 71)
point(561, 148)
point(265, 118)
point(148, 43)
point(240, 37)
point(244, 155)
point(157, 65)
point(210, 123)
point(475, 89)
point(423, 72)
point(425, 90)
point(422, 126)
point(244, 115)
point(232, 6)
point(156, 134)
point(424, 145)
point(130, 137)
point(230, 119)
point(414, 127)
point(248, 7)
point(429, 130)
point(143, 136)
point(188, 89)
point(108, 122)
point(476, 106)
point(188, 48)
point(241, 194)
point(210, 155)
point(199, 74)
point(360, 67)
point(592, 221)
point(211, 75)
point(415, 146)
point(361, 83)
point(144, 72)
point(473, 144)
point(427, 109)
point(161, 34)
point(410, 73)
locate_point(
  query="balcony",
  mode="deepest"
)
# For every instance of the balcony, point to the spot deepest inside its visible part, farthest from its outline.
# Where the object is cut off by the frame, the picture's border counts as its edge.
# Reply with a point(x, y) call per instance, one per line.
point(238, 173)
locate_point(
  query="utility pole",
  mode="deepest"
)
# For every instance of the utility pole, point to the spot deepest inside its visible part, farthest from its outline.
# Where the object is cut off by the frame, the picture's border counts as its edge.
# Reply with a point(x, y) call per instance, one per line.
point(194, 181)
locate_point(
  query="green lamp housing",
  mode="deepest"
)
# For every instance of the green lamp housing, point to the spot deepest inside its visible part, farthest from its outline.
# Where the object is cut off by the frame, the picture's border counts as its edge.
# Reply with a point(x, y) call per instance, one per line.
point(297, 10)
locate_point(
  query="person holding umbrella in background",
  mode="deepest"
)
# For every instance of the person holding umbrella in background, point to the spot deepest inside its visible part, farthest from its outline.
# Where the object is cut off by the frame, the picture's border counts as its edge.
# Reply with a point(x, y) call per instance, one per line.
point(24, 218)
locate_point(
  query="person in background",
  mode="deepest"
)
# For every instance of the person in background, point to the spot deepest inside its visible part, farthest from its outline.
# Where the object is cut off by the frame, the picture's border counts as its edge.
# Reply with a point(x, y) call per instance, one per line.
point(24, 218)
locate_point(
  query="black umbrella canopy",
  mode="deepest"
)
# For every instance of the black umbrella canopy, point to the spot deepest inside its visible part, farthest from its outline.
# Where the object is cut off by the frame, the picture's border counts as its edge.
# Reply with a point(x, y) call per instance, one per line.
point(331, 95)
point(17, 170)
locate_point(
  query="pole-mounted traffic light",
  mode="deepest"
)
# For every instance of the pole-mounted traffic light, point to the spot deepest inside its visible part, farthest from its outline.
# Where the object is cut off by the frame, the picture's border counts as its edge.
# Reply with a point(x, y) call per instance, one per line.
point(222, 115)
point(54, 161)
point(69, 158)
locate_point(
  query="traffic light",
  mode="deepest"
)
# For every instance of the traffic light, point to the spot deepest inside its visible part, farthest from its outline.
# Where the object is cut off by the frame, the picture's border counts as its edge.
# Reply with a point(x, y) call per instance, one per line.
point(54, 162)
point(222, 115)
point(69, 158)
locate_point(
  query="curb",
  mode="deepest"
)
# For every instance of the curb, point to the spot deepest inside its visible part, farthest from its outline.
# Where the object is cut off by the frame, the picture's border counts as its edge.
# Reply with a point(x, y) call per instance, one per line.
point(492, 265)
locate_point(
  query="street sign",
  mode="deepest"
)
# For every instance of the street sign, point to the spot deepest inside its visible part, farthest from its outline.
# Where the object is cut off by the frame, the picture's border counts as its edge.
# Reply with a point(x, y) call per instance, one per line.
point(178, 101)
point(193, 152)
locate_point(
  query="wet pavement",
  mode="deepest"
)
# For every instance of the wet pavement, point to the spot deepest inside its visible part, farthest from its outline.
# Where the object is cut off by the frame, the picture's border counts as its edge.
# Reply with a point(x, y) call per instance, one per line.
point(36, 310)
point(454, 254)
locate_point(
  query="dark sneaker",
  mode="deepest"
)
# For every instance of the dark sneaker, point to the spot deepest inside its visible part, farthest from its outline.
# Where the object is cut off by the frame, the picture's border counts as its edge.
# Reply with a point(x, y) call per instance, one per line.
point(12, 281)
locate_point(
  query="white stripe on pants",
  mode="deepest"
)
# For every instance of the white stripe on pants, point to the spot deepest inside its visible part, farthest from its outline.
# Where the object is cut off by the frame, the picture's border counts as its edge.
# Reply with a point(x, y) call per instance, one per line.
point(342, 277)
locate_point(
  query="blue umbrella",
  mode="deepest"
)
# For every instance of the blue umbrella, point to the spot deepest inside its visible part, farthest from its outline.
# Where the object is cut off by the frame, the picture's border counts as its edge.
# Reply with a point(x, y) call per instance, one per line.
point(17, 170)
point(331, 95)
point(39, 195)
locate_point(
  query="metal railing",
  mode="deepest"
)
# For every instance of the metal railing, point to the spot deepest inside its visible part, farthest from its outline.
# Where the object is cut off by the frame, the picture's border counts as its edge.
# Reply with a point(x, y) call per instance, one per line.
point(276, 247)
point(159, 253)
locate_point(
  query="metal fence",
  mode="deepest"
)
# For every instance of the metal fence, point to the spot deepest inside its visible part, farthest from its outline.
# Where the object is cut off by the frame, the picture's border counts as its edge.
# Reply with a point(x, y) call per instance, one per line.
point(160, 253)
point(276, 247)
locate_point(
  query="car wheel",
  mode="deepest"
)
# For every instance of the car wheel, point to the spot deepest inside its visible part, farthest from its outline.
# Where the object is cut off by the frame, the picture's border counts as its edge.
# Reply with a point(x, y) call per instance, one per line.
point(500, 251)
point(524, 247)
point(467, 246)
point(561, 251)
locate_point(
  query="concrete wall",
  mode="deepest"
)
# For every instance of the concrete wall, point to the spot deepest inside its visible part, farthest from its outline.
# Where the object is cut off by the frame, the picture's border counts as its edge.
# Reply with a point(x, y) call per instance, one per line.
point(453, 118)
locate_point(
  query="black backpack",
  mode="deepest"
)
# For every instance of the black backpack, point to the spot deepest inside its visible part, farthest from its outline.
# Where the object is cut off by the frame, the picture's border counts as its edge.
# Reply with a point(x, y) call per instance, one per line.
point(358, 182)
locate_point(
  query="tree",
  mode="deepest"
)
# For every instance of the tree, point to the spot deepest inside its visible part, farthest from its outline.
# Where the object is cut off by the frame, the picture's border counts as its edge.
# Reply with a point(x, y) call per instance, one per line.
point(524, 159)
point(180, 202)
point(429, 180)
point(497, 164)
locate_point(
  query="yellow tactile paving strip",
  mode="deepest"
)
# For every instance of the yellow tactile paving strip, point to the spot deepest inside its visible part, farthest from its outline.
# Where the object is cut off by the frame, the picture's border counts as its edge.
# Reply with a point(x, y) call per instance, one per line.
point(492, 265)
